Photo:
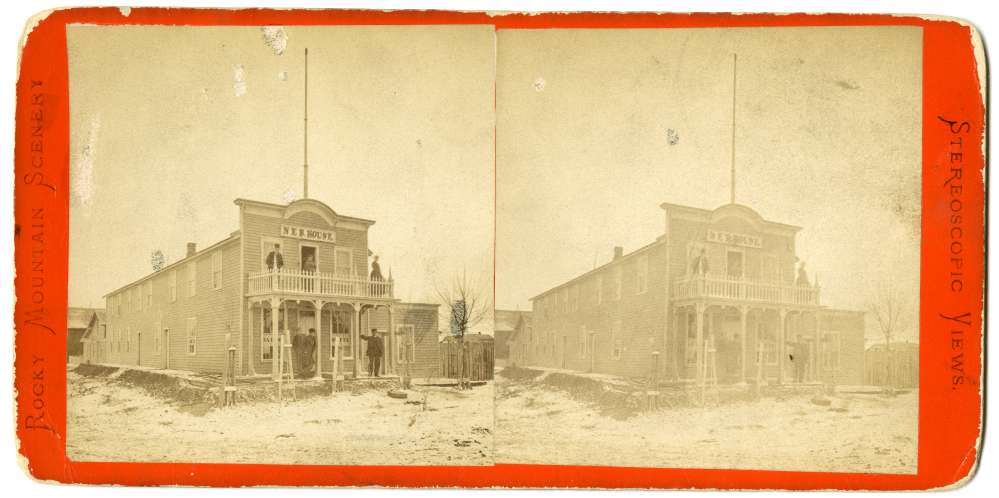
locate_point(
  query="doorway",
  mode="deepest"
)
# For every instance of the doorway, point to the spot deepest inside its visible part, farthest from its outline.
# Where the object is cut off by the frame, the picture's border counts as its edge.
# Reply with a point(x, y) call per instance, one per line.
point(309, 258)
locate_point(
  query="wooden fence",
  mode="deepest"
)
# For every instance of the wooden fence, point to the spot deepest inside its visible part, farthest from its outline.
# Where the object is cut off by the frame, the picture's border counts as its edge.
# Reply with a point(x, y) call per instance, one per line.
point(479, 360)
point(900, 368)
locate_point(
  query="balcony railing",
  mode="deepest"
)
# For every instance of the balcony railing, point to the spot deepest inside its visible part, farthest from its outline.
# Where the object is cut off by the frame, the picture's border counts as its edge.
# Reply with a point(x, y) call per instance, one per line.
point(720, 287)
point(318, 284)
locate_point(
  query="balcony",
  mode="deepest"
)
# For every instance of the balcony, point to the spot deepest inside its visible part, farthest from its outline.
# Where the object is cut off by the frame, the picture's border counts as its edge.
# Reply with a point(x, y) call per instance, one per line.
point(744, 290)
point(318, 285)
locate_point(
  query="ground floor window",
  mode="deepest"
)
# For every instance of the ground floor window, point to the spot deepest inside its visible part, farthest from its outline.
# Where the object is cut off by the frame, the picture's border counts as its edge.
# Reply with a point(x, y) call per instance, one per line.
point(616, 348)
point(690, 345)
point(582, 342)
point(405, 342)
point(340, 328)
point(830, 353)
point(769, 340)
point(266, 337)
point(192, 335)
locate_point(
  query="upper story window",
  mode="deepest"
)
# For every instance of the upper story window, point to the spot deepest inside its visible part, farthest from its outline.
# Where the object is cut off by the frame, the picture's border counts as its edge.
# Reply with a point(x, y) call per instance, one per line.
point(642, 274)
point(149, 295)
point(617, 282)
point(192, 278)
point(217, 270)
point(173, 285)
point(563, 298)
point(344, 264)
point(599, 293)
point(574, 298)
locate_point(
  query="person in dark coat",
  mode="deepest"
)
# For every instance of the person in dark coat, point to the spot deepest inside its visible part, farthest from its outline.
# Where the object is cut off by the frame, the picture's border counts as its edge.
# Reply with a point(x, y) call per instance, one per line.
point(375, 349)
point(274, 259)
point(298, 352)
point(309, 352)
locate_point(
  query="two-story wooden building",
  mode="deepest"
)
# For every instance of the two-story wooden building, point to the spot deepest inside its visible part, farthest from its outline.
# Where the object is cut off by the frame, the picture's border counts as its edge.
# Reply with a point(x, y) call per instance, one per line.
point(719, 296)
point(287, 269)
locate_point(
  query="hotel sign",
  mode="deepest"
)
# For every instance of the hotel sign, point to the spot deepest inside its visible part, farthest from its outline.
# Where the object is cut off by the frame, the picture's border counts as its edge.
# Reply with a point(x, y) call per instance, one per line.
point(735, 239)
point(304, 233)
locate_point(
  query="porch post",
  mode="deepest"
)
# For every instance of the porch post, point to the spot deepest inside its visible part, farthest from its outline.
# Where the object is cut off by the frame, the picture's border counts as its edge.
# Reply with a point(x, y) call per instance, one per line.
point(743, 318)
point(391, 343)
point(249, 343)
point(781, 345)
point(814, 354)
point(275, 310)
point(356, 338)
point(699, 345)
point(319, 304)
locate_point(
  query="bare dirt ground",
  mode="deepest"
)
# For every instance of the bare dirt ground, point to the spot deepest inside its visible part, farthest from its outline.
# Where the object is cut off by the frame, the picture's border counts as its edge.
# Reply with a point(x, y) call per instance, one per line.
point(538, 423)
point(109, 420)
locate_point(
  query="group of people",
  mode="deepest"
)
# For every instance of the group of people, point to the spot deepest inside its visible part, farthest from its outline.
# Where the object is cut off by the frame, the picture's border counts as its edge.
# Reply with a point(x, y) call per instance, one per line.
point(303, 349)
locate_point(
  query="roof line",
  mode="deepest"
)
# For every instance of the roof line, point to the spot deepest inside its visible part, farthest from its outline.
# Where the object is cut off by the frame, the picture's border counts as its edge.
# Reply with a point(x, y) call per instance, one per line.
point(232, 237)
point(601, 267)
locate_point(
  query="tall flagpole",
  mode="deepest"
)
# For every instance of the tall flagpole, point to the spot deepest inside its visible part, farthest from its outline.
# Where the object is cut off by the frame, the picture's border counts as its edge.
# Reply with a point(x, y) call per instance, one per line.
point(305, 190)
point(734, 61)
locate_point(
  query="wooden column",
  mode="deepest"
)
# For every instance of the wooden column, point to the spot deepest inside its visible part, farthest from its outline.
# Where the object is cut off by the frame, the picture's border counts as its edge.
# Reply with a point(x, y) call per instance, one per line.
point(249, 342)
point(355, 338)
point(743, 318)
point(318, 304)
point(389, 356)
point(781, 346)
point(699, 345)
point(275, 310)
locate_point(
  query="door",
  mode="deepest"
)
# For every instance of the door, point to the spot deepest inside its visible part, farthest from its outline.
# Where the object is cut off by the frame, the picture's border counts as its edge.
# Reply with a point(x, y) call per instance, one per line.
point(562, 349)
point(166, 348)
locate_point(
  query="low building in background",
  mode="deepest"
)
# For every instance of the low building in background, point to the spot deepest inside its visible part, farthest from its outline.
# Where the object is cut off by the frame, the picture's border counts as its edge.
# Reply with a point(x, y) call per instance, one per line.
point(504, 323)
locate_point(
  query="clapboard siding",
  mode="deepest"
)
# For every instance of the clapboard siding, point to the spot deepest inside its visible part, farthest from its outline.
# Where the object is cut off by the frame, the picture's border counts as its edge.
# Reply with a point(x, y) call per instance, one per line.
point(133, 330)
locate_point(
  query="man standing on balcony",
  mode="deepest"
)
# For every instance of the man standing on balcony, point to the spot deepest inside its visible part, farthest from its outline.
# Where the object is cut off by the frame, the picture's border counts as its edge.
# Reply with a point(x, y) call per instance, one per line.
point(376, 277)
point(374, 352)
point(274, 260)
point(802, 280)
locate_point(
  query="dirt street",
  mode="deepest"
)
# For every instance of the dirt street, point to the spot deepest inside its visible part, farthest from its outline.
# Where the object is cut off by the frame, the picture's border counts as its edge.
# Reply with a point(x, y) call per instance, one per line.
point(111, 421)
point(855, 433)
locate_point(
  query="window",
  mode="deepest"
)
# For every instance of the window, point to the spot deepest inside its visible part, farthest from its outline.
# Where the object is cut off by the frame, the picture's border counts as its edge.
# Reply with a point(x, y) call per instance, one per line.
point(128, 340)
point(617, 282)
point(192, 335)
point(340, 328)
point(616, 348)
point(769, 346)
point(734, 264)
point(563, 299)
point(582, 342)
point(831, 346)
point(574, 298)
point(149, 295)
point(769, 270)
point(690, 345)
point(104, 331)
point(217, 270)
point(128, 300)
point(642, 274)
point(192, 278)
point(600, 289)
point(173, 286)
point(344, 261)
point(266, 338)
point(405, 342)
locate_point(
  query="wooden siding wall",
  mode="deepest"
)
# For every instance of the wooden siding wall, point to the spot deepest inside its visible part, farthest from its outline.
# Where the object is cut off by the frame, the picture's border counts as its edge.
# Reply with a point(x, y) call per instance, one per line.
point(216, 311)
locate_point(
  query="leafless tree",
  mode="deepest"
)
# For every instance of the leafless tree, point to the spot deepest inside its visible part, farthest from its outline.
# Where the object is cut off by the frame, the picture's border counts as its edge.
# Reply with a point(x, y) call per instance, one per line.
point(467, 302)
point(889, 308)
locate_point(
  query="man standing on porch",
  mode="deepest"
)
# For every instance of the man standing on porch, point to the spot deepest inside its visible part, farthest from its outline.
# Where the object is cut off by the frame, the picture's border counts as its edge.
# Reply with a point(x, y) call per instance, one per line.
point(374, 352)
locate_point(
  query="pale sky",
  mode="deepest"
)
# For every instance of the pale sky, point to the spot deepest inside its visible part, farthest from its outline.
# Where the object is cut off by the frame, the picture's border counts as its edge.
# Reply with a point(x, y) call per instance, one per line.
point(169, 125)
point(828, 138)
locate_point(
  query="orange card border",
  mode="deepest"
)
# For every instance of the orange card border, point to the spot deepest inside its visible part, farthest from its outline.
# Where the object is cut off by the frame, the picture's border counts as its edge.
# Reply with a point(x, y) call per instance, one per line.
point(950, 402)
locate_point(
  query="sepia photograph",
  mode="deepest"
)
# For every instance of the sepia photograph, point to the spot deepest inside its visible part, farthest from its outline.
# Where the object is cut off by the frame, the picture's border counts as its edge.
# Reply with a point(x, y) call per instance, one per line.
point(281, 244)
point(708, 248)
